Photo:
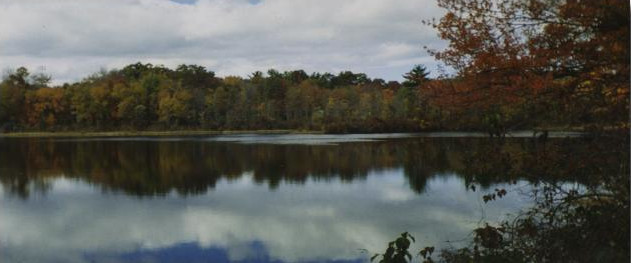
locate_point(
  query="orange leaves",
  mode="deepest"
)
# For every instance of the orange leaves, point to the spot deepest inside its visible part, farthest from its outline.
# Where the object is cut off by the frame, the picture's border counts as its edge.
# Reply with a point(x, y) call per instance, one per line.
point(539, 84)
point(42, 105)
point(519, 54)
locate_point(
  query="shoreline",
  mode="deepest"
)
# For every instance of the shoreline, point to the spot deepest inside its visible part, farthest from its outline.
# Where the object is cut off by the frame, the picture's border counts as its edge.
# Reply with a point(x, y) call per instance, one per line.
point(147, 133)
point(112, 134)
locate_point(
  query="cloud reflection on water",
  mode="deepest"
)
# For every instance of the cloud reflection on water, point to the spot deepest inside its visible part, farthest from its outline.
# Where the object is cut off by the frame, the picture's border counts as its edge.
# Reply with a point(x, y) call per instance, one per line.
point(316, 220)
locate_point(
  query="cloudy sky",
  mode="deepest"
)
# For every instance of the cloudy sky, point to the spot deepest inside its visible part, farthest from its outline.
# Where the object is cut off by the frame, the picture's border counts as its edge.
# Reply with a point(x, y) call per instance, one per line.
point(70, 39)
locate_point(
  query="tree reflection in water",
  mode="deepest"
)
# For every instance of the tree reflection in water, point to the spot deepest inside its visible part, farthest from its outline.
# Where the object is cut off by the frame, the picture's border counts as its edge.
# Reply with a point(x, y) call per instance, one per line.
point(581, 209)
point(189, 167)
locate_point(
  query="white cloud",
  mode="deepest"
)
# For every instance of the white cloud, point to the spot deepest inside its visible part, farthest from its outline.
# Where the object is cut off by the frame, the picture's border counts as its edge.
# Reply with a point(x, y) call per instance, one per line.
point(75, 38)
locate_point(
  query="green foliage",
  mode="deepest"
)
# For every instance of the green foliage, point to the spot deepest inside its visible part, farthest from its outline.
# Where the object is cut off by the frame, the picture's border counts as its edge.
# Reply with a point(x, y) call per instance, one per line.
point(416, 77)
point(146, 96)
point(398, 251)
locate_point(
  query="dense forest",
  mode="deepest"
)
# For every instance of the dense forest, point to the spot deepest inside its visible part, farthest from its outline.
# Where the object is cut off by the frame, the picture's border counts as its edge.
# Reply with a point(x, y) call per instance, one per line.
point(144, 96)
point(536, 64)
point(147, 97)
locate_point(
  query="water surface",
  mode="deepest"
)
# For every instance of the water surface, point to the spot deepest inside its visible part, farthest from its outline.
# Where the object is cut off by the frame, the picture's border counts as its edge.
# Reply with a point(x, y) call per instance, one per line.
point(248, 198)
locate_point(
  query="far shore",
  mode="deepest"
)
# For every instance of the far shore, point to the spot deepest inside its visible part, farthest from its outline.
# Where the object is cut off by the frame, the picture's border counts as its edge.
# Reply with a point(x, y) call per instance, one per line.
point(149, 133)
point(555, 132)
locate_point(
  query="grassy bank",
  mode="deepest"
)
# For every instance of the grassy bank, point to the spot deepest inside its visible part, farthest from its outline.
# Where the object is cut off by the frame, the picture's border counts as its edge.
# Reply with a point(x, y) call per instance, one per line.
point(148, 133)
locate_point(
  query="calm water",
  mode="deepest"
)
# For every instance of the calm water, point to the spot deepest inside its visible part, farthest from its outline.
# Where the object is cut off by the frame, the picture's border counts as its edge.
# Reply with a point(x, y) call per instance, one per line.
point(250, 198)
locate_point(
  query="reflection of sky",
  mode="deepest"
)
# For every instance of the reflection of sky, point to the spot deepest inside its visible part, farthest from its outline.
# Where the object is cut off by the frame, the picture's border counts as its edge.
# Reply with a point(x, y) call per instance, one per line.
point(318, 139)
point(303, 139)
point(241, 220)
point(192, 252)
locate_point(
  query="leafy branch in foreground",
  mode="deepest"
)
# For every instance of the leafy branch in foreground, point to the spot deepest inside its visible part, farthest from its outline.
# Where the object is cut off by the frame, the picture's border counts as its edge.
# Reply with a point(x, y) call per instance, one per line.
point(398, 251)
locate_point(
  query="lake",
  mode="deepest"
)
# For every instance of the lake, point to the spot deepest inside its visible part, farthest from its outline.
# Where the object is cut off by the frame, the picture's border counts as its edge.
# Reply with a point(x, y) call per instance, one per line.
point(250, 198)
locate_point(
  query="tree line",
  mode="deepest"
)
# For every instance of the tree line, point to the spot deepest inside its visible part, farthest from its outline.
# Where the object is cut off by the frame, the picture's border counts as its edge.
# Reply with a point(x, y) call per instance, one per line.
point(149, 97)
point(144, 96)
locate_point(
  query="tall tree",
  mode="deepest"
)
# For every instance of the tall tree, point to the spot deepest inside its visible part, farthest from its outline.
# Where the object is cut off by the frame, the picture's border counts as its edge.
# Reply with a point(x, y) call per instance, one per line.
point(416, 77)
point(12, 92)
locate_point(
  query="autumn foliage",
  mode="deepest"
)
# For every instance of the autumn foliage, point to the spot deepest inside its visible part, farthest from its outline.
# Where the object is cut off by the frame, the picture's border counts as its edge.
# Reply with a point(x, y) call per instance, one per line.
point(531, 62)
point(144, 96)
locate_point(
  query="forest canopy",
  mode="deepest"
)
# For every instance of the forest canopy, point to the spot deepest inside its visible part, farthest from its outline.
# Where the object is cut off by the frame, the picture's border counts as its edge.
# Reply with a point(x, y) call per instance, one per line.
point(144, 96)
